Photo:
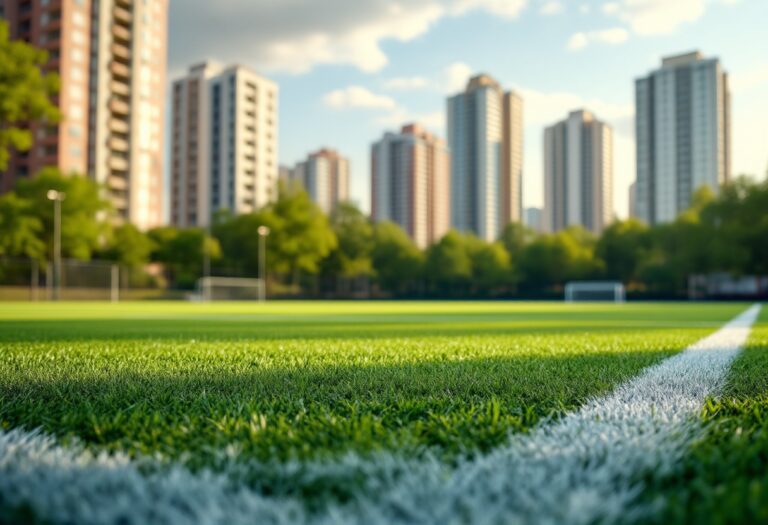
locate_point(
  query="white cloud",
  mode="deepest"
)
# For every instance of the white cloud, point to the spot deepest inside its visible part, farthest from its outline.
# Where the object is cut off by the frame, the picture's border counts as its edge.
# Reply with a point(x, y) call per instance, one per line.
point(455, 77)
point(298, 35)
point(552, 7)
point(357, 97)
point(578, 41)
point(748, 80)
point(543, 108)
point(656, 17)
point(434, 121)
point(612, 36)
point(407, 83)
point(505, 8)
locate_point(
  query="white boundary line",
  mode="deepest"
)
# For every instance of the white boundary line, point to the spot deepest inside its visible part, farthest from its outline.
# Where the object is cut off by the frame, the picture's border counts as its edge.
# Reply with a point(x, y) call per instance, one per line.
point(584, 468)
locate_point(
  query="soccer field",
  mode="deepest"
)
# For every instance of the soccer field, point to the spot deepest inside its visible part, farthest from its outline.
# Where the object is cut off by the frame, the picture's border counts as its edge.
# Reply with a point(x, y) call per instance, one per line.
point(391, 412)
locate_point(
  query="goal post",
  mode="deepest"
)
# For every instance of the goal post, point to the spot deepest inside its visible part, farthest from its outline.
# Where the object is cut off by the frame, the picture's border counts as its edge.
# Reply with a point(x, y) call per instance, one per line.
point(610, 291)
point(229, 289)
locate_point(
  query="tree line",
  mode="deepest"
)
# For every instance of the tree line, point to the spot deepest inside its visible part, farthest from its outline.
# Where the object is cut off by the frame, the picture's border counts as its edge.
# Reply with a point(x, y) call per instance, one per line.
point(312, 254)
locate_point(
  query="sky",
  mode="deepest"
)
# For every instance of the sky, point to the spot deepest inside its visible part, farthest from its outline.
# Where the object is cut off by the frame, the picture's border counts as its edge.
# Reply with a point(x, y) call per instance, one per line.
point(349, 70)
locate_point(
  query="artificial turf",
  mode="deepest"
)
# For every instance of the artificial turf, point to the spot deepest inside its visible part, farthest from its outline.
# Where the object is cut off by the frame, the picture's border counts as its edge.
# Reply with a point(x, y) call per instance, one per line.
point(307, 380)
point(724, 478)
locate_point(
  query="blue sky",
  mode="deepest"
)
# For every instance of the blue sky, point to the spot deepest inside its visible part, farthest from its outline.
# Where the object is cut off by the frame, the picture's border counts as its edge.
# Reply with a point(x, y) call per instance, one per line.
point(350, 69)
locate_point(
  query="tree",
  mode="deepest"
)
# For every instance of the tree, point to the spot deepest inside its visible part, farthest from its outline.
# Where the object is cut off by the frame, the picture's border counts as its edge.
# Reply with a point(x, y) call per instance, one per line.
point(20, 229)
point(300, 235)
point(354, 232)
point(736, 227)
point(449, 265)
point(182, 251)
point(554, 259)
point(515, 237)
point(622, 247)
point(25, 94)
point(491, 266)
point(396, 259)
point(84, 213)
point(129, 247)
point(239, 240)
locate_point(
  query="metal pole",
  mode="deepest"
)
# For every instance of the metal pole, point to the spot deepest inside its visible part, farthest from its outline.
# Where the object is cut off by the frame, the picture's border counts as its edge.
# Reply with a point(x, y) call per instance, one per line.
point(35, 279)
point(206, 266)
point(263, 231)
point(57, 249)
point(115, 290)
point(56, 196)
point(262, 264)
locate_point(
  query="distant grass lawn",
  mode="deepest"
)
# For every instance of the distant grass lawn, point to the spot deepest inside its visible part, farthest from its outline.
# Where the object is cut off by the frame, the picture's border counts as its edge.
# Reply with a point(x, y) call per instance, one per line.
point(312, 379)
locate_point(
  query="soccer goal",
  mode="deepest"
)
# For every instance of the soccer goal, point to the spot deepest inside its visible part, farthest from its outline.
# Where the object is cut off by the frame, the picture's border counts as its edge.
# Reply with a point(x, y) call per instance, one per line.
point(230, 289)
point(611, 291)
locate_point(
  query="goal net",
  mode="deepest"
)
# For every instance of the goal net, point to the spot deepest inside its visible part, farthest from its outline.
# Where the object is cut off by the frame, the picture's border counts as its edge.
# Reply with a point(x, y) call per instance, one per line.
point(611, 291)
point(229, 289)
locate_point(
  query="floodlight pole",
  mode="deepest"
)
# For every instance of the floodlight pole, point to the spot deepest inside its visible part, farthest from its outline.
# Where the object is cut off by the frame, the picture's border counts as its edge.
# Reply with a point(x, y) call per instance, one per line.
point(57, 197)
point(263, 231)
point(206, 265)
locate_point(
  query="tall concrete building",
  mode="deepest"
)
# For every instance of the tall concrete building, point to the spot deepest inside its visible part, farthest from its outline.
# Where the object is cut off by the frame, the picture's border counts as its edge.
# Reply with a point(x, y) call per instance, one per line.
point(578, 173)
point(485, 136)
point(111, 58)
point(410, 183)
point(533, 219)
point(325, 177)
point(224, 143)
point(683, 134)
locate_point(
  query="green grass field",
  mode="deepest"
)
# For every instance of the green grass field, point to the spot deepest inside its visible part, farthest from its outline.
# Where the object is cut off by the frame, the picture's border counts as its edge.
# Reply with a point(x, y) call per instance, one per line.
point(205, 383)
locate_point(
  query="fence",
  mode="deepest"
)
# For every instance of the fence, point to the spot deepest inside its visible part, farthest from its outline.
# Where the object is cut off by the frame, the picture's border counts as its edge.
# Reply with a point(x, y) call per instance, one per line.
point(29, 279)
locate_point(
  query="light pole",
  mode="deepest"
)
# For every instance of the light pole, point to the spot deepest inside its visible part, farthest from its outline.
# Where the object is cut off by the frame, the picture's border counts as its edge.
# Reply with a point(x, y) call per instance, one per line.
point(206, 266)
point(57, 197)
point(263, 231)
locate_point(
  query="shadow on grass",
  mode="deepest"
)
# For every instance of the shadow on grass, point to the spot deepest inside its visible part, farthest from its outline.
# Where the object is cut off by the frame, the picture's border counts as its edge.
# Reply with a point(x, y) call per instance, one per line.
point(201, 408)
point(360, 327)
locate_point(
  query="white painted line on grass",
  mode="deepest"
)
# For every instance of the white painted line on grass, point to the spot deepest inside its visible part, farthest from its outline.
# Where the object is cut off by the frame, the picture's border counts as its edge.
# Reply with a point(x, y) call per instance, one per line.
point(585, 468)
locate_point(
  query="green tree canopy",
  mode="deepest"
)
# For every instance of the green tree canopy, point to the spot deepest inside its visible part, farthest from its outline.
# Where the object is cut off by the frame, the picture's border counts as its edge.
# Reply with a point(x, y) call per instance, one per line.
point(300, 235)
point(554, 259)
point(182, 251)
point(396, 259)
point(129, 247)
point(85, 220)
point(449, 265)
point(623, 247)
point(352, 255)
point(491, 266)
point(239, 240)
point(515, 237)
point(20, 228)
point(25, 93)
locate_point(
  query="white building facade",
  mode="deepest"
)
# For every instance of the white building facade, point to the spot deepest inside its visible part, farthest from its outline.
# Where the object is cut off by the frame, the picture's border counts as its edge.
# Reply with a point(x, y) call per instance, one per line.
point(683, 134)
point(225, 137)
point(578, 173)
point(485, 137)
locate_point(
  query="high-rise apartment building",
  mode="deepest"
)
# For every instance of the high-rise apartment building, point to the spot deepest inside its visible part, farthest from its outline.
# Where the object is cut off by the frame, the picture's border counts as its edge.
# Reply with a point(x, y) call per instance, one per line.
point(325, 177)
point(683, 134)
point(224, 143)
point(485, 136)
point(578, 173)
point(111, 58)
point(533, 219)
point(410, 183)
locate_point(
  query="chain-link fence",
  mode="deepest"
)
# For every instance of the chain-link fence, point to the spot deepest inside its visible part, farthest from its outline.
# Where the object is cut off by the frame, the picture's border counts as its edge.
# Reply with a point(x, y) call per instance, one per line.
point(29, 279)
